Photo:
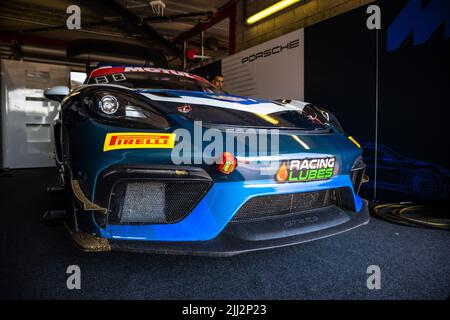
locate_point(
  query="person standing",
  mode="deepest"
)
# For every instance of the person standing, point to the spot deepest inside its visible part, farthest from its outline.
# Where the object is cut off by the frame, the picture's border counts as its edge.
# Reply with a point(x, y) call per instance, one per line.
point(218, 81)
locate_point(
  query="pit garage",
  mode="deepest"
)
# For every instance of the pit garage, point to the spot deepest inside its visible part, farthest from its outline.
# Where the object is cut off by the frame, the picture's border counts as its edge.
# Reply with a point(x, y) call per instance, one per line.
point(98, 201)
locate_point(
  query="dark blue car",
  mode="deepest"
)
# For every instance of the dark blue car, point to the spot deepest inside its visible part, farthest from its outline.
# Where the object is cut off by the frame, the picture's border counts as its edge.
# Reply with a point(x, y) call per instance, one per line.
point(419, 180)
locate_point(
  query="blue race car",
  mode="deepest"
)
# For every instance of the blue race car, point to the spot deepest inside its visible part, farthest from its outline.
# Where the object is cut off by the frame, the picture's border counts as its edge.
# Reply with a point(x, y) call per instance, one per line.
point(133, 148)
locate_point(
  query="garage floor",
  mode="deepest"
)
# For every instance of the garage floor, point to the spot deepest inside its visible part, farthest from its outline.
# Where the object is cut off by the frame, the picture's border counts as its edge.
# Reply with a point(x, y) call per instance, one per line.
point(415, 263)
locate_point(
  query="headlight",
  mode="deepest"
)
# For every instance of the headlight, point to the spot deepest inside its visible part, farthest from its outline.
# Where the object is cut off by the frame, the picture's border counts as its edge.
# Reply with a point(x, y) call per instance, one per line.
point(108, 104)
point(119, 108)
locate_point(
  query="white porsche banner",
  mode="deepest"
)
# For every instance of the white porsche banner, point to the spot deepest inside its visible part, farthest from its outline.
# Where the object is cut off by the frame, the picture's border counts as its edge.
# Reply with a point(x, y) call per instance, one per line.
point(272, 70)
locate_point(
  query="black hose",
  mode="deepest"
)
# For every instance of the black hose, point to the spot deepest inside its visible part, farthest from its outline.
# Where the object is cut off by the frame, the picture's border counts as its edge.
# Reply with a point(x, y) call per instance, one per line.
point(410, 214)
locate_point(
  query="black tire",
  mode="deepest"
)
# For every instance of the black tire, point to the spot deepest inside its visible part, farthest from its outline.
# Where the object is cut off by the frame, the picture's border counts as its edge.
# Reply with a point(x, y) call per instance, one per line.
point(424, 186)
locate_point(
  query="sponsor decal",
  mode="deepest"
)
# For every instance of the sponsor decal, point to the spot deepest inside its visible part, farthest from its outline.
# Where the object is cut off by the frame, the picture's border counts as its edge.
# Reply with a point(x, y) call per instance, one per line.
point(228, 164)
point(272, 51)
point(138, 140)
point(418, 20)
point(305, 220)
point(184, 109)
point(306, 170)
point(163, 71)
point(314, 118)
point(120, 70)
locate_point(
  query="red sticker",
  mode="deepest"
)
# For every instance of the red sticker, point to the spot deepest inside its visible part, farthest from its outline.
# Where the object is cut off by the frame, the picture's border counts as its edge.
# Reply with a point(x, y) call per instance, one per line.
point(184, 109)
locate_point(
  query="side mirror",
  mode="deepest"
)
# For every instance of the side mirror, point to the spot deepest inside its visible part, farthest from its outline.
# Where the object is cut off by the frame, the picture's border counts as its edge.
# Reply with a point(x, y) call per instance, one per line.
point(56, 93)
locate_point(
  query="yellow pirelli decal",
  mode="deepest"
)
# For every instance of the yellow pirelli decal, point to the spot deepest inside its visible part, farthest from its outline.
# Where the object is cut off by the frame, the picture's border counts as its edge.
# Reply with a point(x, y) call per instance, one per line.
point(138, 140)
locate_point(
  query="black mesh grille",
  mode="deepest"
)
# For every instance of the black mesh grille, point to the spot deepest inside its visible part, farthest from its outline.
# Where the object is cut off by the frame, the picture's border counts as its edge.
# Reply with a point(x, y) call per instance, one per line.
point(154, 202)
point(284, 204)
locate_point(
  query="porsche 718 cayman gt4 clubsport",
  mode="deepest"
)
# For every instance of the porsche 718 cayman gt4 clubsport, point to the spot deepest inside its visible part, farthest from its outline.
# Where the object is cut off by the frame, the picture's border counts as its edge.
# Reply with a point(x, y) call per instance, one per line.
point(157, 160)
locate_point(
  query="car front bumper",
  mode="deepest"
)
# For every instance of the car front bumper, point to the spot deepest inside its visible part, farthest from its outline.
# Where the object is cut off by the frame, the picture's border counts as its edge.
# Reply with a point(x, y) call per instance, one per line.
point(242, 237)
point(215, 211)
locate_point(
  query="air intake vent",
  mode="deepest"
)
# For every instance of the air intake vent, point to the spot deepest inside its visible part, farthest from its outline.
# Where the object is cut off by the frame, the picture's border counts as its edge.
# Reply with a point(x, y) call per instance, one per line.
point(154, 202)
point(357, 174)
point(284, 204)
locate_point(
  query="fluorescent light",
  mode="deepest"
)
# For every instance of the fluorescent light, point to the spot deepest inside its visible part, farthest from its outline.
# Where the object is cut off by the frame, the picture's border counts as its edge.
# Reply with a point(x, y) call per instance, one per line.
point(280, 5)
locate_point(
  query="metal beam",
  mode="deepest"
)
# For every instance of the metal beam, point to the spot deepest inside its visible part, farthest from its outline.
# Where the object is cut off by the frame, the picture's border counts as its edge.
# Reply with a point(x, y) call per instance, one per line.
point(32, 40)
point(223, 13)
point(58, 27)
point(179, 16)
point(140, 25)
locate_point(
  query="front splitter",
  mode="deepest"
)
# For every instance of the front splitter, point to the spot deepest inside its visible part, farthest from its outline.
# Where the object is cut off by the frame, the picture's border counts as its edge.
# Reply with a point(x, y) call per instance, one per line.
point(242, 237)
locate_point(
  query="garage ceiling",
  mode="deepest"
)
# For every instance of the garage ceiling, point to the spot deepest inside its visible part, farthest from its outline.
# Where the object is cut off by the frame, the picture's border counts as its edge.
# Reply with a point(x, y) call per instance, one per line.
point(28, 20)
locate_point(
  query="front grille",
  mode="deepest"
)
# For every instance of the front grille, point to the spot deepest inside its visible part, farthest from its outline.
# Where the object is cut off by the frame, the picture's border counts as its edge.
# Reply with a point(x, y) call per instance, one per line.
point(154, 202)
point(284, 204)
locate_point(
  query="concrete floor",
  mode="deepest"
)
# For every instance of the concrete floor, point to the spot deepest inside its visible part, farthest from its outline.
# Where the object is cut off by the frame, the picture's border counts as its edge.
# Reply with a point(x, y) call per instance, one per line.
point(34, 256)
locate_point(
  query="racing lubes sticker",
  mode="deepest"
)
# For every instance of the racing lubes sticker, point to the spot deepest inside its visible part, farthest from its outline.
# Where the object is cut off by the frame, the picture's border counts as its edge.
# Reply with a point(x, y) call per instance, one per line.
point(138, 140)
point(305, 170)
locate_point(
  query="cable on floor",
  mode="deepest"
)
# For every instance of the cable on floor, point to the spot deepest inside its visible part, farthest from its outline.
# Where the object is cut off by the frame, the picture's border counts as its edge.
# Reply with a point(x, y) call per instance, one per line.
point(416, 215)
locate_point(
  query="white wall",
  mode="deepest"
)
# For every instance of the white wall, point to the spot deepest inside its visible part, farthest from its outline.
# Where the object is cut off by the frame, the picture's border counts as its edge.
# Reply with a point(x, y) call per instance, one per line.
point(27, 116)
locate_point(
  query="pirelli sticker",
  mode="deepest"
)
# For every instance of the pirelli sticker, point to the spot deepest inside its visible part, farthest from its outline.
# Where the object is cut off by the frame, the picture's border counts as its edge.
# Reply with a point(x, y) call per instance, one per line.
point(138, 140)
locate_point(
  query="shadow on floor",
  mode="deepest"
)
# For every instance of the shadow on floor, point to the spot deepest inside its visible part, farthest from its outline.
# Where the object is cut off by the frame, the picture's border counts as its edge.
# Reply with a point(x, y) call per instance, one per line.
point(34, 256)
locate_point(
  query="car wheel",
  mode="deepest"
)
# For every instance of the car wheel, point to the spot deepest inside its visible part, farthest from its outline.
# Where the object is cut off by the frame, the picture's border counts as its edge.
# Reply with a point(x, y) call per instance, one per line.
point(425, 186)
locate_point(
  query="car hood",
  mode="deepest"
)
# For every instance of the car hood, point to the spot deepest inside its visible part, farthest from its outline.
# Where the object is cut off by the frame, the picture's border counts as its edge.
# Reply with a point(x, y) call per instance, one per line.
point(221, 100)
point(293, 143)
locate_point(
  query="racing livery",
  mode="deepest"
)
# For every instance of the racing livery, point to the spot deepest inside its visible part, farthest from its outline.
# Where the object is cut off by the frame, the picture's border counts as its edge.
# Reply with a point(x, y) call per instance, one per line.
point(131, 147)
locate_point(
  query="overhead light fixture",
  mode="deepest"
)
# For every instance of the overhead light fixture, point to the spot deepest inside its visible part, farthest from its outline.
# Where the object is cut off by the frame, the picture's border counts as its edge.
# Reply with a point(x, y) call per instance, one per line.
point(280, 5)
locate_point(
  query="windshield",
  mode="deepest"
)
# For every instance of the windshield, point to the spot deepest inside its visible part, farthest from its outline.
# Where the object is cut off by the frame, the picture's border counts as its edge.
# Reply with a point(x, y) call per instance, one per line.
point(166, 79)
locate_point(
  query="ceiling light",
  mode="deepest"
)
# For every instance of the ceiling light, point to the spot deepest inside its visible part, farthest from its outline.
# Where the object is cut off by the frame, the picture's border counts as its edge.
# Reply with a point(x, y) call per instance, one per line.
point(280, 5)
